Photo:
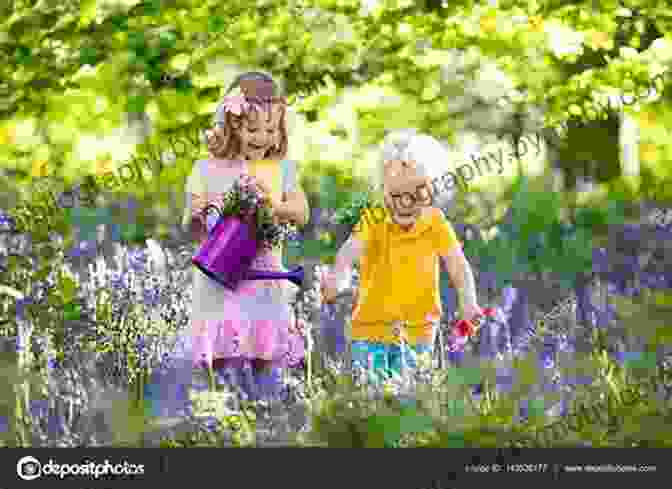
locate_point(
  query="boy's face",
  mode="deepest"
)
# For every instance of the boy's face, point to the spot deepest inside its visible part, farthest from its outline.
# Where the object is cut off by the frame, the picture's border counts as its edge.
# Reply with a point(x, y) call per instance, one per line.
point(407, 192)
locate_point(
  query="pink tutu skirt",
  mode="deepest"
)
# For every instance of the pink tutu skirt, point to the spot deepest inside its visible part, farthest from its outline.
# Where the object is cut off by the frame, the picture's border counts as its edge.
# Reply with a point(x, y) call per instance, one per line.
point(255, 322)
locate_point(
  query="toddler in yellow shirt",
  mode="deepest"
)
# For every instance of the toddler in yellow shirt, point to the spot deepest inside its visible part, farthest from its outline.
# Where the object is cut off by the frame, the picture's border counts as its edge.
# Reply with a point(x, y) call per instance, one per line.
point(399, 248)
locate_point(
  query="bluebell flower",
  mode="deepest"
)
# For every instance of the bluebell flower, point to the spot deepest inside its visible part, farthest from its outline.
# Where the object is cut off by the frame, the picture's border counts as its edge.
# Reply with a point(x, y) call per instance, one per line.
point(21, 307)
point(7, 222)
point(565, 344)
point(576, 380)
point(55, 425)
point(137, 259)
point(519, 316)
point(455, 357)
point(600, 260)
point(582, 303)
point(654, 280)
point(631, 232)
point(548, 361)
point(210, 424)
point(84, 249)
point(504, 379)
point(142, 351)
point(167, 391)
point(119, 280)
point(487, 280)
point(4, 424)
point(200, 386)
point(52, 364)
point(604, 316)
point(523, 410)
point(618, 357)
point(151, 297)
point(38, 408)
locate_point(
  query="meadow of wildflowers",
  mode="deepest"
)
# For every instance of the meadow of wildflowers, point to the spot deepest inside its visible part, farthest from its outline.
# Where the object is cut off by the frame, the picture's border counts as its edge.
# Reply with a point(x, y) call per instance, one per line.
point(93, 349)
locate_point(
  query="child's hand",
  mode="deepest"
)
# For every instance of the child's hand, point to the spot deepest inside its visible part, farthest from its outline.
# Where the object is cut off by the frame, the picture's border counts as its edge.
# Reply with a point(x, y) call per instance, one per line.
point(268, 195)
point(328, 288)
point(472, 312)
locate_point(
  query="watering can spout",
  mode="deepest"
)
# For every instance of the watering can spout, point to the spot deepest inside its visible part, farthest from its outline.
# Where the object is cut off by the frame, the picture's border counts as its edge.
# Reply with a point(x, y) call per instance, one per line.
point(295, 276)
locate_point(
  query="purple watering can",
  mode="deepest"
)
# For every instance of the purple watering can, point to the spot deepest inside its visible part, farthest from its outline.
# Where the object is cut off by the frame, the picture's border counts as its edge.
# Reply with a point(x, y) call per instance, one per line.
point(228, 253)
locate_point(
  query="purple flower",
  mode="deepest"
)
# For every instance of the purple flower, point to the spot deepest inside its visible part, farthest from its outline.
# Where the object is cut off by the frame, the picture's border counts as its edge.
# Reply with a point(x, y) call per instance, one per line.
point(137, 259)
point(55, 425)
point(575, 380)
point(84, 249)
point(21, 308)
point(523, 410)
point(52, 364)
point(600, 260)
point(654, 280)
point(151, 297)
point(7, 222)
point(487, 280)
point(167, 390)
point(547, 359)
point(39, 408)
point(210, 424)
point(603, 317)
point(504, 379)
point(4, 424)
point(564, 407)
point(119, 280)
point(513, 303)
point(454, 357)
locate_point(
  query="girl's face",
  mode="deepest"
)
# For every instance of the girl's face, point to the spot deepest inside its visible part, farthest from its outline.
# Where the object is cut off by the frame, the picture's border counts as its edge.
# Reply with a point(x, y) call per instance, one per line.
point(259, 132)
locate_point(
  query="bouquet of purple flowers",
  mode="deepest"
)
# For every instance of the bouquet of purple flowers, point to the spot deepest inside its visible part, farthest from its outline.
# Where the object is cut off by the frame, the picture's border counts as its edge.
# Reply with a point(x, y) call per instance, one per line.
point(240, 225)
point(246, 200)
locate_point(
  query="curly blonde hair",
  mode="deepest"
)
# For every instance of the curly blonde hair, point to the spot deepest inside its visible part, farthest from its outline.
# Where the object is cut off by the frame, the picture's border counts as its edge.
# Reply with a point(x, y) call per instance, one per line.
point(224, 142)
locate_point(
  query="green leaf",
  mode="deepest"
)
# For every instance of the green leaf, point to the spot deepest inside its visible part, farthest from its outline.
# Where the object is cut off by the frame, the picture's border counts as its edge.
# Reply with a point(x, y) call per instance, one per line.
point(87, 12)
point(67, 288)
point(88, 55)
point(136, 104)
point(463, 376)
point(216, 23)
point(71, 312)
point(42, 273)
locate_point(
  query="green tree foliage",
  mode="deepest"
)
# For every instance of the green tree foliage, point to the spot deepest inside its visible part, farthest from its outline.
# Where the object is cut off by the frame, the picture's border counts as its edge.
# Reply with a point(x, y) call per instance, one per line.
point(80, 68)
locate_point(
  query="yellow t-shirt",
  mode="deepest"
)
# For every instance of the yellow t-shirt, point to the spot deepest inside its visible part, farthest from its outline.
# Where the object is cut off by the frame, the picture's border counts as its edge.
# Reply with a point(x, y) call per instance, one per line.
point(399, 275)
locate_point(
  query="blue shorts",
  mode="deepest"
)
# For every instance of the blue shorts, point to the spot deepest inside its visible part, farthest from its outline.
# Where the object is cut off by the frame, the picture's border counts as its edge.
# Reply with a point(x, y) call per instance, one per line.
point(385, 359)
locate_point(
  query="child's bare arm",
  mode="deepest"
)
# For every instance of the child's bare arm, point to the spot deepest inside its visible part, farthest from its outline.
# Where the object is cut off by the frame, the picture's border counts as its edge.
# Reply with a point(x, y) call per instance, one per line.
point(197, 224)
point(461, 275)
point(350, 252)
point(294, 207)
